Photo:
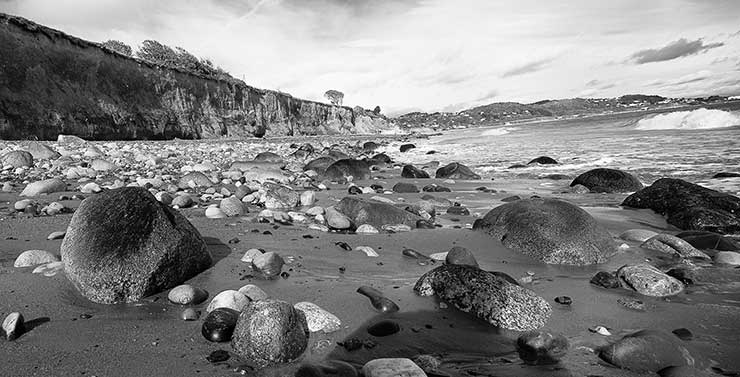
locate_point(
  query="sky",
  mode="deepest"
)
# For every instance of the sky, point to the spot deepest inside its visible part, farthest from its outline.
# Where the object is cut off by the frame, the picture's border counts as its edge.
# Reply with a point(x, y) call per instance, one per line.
point(432, 55)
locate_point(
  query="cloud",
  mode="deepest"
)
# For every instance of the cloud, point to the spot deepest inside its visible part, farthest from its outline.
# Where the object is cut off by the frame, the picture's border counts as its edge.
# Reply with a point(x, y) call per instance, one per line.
point(673, 50)
point(534, 66)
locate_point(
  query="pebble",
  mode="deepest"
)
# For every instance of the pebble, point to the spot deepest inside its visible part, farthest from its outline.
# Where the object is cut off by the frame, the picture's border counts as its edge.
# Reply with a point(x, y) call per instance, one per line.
point(13, 326)
point(392, 368)
point(213, 212)
point(231, 207)
point(219, 324)
point(250, 254)
point(253, 292)
point(461, 255)
point(30, 258)
point(49, 269)
point(366, 229)
point(318, 318)
point(270, 264)
point(186, 294)
point(367, 250)
point(308, 198)
point(336, 219)
point(182, 201)
point(601, 330)
point(229, 298)
point(563, 300)
point(189, 314)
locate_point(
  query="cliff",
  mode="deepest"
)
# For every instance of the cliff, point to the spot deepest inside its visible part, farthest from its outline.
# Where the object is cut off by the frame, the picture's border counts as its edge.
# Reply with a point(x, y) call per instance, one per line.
point(52, 83)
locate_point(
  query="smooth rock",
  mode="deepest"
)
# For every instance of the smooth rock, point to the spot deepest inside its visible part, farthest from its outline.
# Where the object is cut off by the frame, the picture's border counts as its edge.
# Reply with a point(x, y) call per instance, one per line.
point(366, 229)
point(30, 258)
point(182, 201)
point(56, 235)
point(49, 269)
point(377, 300)
point(552, 231)
point(253, 292)
point(270, 332)
point(213, 212)
point(648, 280)
point(336, 219)
point(456, 171)
point(647, 351)
point(411, 171)
point(541, 347)
point(367, 250)
point(189, 314)
point(46, 186)
point(270, 264)
point(13, 326)
point(543, 160)
point(608, 180)
point(219, 324)
point(186, 294)
point(399, 367)
point(403, 187)
point(231, 206)
point(318, 319)
point(666, 243)
point(486, 295)
point(606, 280)
point(103, 165)
point(383, 328)
point(193, 180)
point(461, 255)
point(229, 298)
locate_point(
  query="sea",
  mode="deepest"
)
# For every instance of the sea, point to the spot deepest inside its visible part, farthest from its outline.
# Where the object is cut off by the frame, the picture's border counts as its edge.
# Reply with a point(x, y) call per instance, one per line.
point(692, 145)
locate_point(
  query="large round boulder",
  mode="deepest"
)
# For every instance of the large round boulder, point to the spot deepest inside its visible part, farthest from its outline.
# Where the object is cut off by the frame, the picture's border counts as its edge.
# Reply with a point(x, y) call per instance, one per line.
point(608, 180)
point(549, 230)
point(487, 295)
point(345, 168)
point(270, 332)
point(647, 351)
point(456, 171)
point(689, 206)
point(122, 245)
point(377, 214)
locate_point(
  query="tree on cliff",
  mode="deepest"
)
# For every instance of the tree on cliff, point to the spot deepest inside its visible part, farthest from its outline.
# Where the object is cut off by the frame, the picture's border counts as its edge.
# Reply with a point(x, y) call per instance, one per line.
point(118, 47)
point(376, 110)
point(334, 96)
point(158, 53)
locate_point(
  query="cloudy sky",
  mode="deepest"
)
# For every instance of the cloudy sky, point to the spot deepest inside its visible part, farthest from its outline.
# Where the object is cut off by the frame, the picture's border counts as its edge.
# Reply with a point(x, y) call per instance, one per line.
point(433, 55)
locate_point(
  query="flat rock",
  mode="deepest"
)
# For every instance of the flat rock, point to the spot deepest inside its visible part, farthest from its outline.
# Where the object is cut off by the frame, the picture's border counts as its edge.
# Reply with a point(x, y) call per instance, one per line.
point(549, 230)
point(486, 295)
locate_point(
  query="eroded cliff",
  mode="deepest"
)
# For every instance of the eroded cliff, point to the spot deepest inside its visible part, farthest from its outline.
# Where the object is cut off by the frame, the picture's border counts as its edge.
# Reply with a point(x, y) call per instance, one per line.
point(52, 83)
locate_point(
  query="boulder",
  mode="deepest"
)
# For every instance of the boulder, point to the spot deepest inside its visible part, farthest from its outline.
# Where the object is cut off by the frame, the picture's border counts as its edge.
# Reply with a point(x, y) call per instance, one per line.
point(543, 160)
point(47, 186)
point(689, 206)
point(127, 229)
point(666, 243)
point(541, 347)
point(647, 351)
point(403, 187)
point(381, 158)
point(703, 240)
point(377, 214)
point(549, 230)
point(340, 170)
point(648, 280)
point(456, 171)
point(30, 258)
point(280, 196)
point(461, 255)
point(486, 295)
point(406, 147)
point(270, 332)
point(608, 180)
point(193, 180)
point(41, 151)
point(411, 171)
point(17, 159)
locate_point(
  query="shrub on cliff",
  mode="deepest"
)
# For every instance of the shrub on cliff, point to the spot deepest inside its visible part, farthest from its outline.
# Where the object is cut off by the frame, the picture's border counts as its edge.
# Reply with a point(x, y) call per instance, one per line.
point(334, 96)
point(118, 47)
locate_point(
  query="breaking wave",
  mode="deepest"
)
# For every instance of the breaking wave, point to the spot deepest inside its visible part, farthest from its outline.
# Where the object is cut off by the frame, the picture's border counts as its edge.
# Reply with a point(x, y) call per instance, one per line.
point(698, 119)
point(498, 131)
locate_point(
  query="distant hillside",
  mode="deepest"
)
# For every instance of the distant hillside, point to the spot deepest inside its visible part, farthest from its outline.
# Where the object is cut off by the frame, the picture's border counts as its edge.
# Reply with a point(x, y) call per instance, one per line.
point(505, 112)
point(52, 83)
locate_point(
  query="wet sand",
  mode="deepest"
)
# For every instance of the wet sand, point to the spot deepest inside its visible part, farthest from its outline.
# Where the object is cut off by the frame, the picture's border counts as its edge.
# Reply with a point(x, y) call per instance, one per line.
point(72, 336)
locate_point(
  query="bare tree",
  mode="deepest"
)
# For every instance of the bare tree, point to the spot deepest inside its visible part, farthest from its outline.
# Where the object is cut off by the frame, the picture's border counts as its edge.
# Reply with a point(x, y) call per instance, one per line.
point(118, 47)
point(334, 96)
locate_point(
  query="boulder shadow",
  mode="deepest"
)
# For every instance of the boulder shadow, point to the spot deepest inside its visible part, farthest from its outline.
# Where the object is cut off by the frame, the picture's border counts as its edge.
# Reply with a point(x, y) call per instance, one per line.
point(217, 248)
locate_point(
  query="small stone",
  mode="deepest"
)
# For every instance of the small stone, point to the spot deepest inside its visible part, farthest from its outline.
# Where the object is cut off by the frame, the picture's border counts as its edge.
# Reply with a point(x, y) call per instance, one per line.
point(13, 326)
point(182, 201)
point(563, 300)
point(231, 207)
point(228, 299)
point(186, 294)
point(270, 264)
point(439, 256)
point(336, 219)
point(367, 250)
point(392, 368)
point(318, 318)
point(366, 229)
point(601, 330)
point(315, 211)
point(30, 258)
point(649, 281)
point(219, 324)
point(189, 314)
point(632, 304)
point(90, 188)
point(253, 292)
point(250, 254)
point(541, 347)
point(214, 212)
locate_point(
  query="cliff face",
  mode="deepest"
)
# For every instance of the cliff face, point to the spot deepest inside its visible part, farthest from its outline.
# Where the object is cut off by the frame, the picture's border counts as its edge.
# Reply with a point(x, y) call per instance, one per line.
point(52, 83)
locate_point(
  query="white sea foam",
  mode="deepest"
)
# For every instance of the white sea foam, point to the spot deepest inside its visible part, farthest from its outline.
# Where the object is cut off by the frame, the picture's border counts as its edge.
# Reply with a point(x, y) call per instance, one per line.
point(689, 120)
point(498, 131)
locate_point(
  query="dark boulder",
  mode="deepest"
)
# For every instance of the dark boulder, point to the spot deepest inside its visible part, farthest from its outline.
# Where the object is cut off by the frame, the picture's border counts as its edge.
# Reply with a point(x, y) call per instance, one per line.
point(543, 160)
point(270, 332)
point(486, 295)
point(541, 347)
point(606, 280)
point(549, 230)
point(320, 164)
point(411, 171)
point(726, 175)
point(403, 187)
point(647, 351)
point(689, 206)
point(381, 157)
point(370, 146)
point(127, 229)
point(341, 169)
point(375, 213)
point(461, 255)
point(608, 180)
point(406, 147)
point(436, 188)
point(708, 240)
point(456, 171)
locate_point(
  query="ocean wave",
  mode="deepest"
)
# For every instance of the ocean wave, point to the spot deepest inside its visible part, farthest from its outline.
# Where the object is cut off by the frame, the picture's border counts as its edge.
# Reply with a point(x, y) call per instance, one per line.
point(498, 131)
point(698, 119)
